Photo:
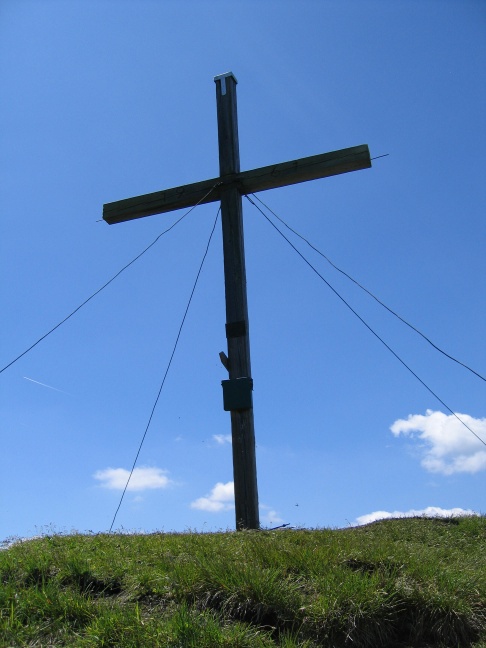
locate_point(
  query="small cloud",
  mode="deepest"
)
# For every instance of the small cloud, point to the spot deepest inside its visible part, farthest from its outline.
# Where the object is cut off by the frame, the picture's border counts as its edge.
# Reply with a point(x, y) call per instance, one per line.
point(222, 438)
point(269, 516)
point(221, 498)
point(430, 511)
point(142, 478)
point(447, 446)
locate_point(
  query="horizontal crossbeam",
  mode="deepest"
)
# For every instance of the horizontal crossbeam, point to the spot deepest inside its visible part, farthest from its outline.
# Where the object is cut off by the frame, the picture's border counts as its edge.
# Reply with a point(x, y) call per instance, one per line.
point(247, 182)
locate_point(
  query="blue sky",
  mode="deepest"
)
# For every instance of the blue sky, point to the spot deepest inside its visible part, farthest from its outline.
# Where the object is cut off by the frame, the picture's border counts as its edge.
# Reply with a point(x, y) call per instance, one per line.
point(105, 100)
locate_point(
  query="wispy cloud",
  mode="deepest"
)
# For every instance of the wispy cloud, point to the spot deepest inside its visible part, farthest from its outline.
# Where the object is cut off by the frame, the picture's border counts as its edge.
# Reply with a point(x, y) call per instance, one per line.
point(142, 479)
point(221, 498)
point(447, 446)
point(221, 439)
point(430, 511)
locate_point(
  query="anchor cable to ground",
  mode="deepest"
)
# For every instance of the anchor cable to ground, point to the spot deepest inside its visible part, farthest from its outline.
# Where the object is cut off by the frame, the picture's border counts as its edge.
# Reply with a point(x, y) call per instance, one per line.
point(167, 369)
point(109, 281)
point(363, 321)
point(404, 321)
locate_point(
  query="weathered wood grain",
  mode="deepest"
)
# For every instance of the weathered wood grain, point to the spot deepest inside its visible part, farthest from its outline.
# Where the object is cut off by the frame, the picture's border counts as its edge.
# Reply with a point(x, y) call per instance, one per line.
point(247, 182)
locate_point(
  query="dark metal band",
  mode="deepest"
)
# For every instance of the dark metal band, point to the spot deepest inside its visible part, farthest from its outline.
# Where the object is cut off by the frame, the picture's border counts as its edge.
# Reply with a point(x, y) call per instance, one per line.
point(236, 329)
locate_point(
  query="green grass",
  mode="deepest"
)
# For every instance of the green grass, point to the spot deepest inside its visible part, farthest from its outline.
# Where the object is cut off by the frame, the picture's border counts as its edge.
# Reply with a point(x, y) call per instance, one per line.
point(396, 583)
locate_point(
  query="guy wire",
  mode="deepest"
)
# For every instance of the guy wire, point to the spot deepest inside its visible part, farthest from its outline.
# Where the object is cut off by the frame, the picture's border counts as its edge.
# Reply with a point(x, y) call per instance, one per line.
point(167, 369)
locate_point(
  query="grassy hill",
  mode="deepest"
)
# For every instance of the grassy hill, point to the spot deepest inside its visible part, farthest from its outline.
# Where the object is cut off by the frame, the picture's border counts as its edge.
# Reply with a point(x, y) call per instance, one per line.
point(394, 583)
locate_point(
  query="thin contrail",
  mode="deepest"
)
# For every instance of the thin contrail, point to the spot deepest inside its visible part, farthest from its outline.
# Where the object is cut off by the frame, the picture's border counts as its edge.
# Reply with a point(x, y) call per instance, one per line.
point(44, 385)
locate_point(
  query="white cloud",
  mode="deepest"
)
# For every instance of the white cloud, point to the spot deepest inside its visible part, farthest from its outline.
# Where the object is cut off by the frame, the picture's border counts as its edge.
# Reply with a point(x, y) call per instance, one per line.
point(221, 498)
point(222, 438)
point(269, 515)
point(142, 478)
point(430, 511)
point(448, 447)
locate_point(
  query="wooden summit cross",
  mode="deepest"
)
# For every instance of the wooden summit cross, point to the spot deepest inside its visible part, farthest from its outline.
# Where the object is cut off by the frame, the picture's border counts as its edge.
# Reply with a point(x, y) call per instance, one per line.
point(228, 188)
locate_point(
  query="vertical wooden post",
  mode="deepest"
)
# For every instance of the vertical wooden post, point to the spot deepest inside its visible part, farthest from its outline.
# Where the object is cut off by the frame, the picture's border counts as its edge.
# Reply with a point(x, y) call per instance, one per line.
point(237, 329)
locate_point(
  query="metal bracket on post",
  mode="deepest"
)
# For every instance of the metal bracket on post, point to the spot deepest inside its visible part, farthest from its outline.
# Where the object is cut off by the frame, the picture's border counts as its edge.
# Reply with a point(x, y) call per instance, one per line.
point(237, 394)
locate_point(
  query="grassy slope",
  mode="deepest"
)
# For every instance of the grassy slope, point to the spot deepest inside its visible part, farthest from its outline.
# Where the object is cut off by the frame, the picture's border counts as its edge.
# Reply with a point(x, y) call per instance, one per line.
point(409, 582)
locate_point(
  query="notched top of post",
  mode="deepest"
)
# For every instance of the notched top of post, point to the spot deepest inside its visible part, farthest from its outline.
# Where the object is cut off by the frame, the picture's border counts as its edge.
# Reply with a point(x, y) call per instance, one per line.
point(222, 78)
